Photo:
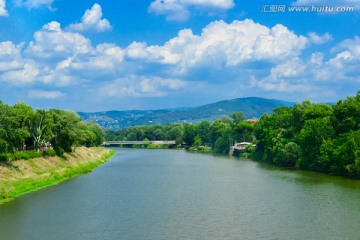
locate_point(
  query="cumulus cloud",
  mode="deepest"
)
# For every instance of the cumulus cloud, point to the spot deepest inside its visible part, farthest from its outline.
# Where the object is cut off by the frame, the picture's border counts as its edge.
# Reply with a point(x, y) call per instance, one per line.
point(51, 42)
point(344, 66)
point(239, 55)
point(92, 21)
point(285, 77)
point(179, 10)
point(41, 94)
point(318, 39)
point(141, 86)
point(105, 57)
point(10, 56)
point(316, 72)
point(223, 44)
point(25, 75)
point(3, 11)
point(34, 4)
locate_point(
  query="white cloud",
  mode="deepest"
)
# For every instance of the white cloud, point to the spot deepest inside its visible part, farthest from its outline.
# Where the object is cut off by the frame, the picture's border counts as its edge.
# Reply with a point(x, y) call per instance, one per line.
point(3, 11)
point(288, 69)
point(106, 57)
point(25, 75)
point(253, 56)
point(34, 4)
point(307, 75)
point(222, 44)
point(137, 50)
point(141, 86)
point(287, 76)
point(51, 42)
point(10, 56)
point(345, 65)
point(41, 94)
point(179, 9)
point(92, 21)
point(317, 39)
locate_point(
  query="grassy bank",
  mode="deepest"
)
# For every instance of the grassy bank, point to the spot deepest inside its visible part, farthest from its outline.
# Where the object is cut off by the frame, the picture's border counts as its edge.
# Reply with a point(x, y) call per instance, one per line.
point(24, 176)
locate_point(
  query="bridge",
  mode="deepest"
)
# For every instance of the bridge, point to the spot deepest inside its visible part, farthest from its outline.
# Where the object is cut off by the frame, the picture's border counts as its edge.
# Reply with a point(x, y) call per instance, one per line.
point(112, 143)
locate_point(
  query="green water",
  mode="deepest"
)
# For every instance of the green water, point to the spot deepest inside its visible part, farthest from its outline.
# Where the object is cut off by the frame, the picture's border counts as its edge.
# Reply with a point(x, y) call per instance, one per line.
point(169, 194)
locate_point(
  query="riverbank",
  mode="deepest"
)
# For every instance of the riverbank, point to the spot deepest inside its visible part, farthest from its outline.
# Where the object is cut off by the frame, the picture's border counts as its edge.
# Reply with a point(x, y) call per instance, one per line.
point(24, 176)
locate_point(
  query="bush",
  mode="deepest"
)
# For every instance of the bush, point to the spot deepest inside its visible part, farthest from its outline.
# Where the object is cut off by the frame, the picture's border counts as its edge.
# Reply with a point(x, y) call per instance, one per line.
point(34, 154)
point(8, 157)
point(21, 155)
point(59, 151)
point(3, 157)
point(49, 153)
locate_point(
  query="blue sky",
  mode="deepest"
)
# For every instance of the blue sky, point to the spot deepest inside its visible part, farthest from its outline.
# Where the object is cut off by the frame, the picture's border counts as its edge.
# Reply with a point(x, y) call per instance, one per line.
point(118, 55)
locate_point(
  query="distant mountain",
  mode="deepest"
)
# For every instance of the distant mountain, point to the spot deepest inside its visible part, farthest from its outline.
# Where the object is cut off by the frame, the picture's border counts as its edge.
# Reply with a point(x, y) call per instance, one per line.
point(251, 107)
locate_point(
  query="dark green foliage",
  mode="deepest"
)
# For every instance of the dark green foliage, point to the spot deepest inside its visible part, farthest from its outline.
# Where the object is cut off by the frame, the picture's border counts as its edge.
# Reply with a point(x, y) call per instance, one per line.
point(288, 155)
point(346, 115)
point(59, 151)
point(222, 145)
point(190, 132)
point(8, 157)
point(312, 136)
point(49, 153)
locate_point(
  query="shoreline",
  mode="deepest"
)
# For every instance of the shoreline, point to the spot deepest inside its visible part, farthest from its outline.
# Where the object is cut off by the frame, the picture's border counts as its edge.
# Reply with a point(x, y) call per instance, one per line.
point(24, 176)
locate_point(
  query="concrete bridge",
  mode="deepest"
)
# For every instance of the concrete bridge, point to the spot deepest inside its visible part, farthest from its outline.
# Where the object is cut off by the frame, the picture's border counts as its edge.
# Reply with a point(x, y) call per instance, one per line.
point(112, 143)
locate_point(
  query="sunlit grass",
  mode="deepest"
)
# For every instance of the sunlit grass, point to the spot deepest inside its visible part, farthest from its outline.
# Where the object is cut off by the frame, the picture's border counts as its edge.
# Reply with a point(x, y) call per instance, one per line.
point(10, 190)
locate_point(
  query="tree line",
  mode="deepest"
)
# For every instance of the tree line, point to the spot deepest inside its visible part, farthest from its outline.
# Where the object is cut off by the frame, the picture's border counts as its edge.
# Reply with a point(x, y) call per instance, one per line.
point(317, 137)
point(23, 128)
point(218, 136)
point(312, 136)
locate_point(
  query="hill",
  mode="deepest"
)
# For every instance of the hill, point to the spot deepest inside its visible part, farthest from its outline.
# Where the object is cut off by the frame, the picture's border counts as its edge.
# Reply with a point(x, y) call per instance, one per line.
point(251, 107)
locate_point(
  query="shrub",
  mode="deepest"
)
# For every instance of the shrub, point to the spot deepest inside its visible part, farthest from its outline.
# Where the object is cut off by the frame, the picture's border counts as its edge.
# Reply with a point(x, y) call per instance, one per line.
point(49, 153)
point(3, 158)
point(59, 151)
point(34, 154)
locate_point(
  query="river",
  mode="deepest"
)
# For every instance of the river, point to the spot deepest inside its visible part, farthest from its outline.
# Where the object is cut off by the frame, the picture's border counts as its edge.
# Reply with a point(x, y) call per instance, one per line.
point(174, 194)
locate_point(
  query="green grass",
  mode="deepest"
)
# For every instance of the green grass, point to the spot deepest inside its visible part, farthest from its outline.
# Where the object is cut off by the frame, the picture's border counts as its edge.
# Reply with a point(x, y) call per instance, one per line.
point(10, 191)
point(201, 149)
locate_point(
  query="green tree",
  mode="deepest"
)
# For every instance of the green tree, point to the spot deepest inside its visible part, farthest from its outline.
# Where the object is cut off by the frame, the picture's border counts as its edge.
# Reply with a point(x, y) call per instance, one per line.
point(288, 155)
point(346, 153)
point(65, 126)
point(311, 137)
point(190, 132)
point(175, 132)
point(238, 117)
point(204, 132)
point(39, 127)
point(197, 141)
point(347, 115)
point(222, 135)
point(314, 111)
point(244, 131)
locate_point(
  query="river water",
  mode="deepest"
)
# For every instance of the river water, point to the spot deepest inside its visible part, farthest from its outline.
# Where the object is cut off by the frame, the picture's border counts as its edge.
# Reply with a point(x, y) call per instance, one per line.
point(170, 194)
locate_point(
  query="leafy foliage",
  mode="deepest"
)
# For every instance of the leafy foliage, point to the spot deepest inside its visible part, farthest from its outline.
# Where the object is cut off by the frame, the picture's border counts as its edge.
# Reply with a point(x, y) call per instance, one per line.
point(22, 128)
point(313, 136)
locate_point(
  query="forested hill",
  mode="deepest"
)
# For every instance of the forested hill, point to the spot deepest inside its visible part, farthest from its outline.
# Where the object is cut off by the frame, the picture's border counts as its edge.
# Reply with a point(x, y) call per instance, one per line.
point(251, 107)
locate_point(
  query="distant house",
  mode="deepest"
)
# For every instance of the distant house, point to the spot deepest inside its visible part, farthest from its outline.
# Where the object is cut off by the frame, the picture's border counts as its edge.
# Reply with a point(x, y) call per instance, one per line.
point(253, 120)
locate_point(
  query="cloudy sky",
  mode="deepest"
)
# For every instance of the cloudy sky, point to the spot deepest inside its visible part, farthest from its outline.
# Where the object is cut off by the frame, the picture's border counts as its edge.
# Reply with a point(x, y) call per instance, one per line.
point(153, 54)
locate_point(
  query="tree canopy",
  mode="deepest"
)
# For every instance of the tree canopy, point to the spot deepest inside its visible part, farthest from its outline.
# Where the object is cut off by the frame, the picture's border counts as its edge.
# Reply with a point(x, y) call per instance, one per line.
point(22, 128)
